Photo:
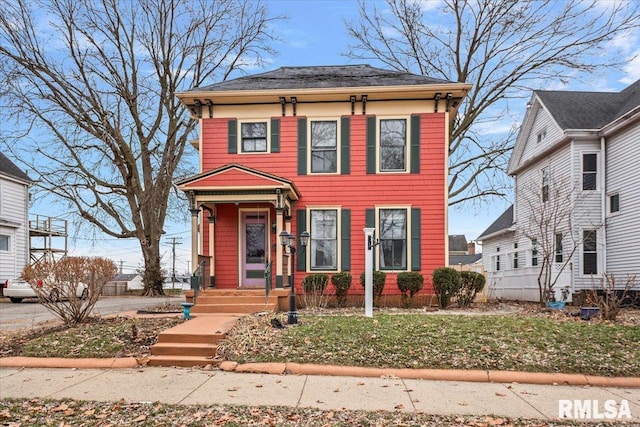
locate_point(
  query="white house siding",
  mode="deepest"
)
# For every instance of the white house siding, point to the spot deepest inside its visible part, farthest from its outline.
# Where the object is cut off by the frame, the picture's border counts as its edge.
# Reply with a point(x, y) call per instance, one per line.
point(542, 121)
point(14, 199)
point(623, 228)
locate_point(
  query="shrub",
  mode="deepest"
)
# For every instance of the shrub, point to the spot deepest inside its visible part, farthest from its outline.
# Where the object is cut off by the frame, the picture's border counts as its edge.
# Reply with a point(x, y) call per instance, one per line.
point(470, 284)
point(61, 281)
point(314, 286)
point(611, 298)
point(379, 279)
point(409, 283)
point(342, 283)
point(446, 283)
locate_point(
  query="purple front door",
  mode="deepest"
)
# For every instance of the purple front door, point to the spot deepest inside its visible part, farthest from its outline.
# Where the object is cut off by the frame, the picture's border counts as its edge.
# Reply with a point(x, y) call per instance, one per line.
point(254, 248)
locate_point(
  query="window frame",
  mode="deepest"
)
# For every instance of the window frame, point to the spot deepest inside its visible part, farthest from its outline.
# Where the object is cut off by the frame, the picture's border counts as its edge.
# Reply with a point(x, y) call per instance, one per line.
point(406, 146)
point(592, 251)
point(8, 240)
point(541, 136)
point(584, 173)
point(544, 188)
point(610, 203)
point(338, 146)
point(558, 248)
point(515, 256)
point(497, 259)
point(534, 252)
point(267, 123)
point(407, 238)
point(338, 238)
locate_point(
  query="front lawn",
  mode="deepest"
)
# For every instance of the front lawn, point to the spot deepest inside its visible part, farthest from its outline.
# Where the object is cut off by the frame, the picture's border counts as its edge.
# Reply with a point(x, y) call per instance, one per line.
point(488, 342)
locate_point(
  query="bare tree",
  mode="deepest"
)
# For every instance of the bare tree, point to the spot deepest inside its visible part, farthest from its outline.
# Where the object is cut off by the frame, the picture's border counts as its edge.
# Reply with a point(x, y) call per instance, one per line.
point(70, 287)
point(501, 47)
point(88, 89)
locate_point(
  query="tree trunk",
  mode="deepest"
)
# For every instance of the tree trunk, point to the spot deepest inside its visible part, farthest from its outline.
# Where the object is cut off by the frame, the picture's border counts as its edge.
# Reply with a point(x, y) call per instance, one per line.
point(153, 277)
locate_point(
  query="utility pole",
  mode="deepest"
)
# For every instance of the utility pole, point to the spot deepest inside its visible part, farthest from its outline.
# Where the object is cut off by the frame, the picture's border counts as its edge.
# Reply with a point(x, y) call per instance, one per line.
point(174, 241)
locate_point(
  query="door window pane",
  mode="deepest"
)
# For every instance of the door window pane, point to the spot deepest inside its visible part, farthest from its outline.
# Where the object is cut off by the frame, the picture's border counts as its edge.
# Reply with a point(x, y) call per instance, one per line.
point(255, 246)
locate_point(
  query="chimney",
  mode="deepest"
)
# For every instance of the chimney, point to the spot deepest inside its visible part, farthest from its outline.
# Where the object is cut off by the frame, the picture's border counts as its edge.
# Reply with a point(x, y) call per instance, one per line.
point(471, 248)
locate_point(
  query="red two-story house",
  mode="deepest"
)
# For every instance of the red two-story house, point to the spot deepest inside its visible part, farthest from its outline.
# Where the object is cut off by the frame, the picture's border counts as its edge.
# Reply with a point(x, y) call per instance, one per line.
point(329, 150)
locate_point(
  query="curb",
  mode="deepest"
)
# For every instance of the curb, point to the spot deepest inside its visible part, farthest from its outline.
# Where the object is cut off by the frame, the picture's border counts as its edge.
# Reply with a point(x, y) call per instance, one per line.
point(291, 368)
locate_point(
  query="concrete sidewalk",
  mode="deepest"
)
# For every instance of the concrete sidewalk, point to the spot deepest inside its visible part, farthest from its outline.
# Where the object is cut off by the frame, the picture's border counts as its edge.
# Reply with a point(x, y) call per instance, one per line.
point(189, 386)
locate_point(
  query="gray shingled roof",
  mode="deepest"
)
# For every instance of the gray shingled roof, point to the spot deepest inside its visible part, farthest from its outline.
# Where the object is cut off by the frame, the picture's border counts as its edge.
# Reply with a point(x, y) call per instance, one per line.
point(316, 77)
point(589, 110)
point(7, 167)
point(464, 259)
point(458, 243)
point(503, 222)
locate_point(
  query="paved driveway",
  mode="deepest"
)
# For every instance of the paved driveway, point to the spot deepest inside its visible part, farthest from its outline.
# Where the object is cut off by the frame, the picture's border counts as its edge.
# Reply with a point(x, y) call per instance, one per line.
point(30, 313)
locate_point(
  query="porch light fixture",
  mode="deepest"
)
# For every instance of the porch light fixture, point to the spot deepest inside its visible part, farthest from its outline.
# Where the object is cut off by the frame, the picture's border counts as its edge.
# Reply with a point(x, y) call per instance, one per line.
point(287, 240)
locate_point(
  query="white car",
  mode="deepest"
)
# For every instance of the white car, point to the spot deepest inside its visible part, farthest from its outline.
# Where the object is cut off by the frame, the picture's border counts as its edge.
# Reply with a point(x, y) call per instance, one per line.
point(18, 289)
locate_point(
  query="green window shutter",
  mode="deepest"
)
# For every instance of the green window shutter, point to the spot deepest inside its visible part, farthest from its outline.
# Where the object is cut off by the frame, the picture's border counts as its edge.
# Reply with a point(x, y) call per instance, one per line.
point(301, 225)
point(415, 239)
point(370, 218)
point(345, 146)
point(275, 135)
point(415, 144)
point(302, 146)
point(345, 233)
point(371, 144)
point(233, 136)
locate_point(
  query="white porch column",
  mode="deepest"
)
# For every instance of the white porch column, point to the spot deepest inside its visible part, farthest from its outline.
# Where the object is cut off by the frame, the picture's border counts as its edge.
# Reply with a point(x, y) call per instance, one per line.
point(279, 248)
point(194, 240)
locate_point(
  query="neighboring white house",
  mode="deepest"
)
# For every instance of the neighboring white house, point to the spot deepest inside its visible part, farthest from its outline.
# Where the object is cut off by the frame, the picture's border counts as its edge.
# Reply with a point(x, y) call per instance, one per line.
point(14, 219)
point(582, 149)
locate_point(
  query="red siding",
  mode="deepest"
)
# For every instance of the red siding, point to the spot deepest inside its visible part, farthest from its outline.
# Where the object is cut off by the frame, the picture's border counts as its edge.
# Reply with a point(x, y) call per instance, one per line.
point(356, 191)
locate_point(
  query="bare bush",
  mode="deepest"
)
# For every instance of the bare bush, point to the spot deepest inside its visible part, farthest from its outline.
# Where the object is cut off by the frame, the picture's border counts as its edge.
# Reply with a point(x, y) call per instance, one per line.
point(69, 288)
point(609, 298)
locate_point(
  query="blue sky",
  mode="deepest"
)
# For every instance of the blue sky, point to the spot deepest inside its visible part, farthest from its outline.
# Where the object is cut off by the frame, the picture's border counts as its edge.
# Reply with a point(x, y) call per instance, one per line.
point(315, 35)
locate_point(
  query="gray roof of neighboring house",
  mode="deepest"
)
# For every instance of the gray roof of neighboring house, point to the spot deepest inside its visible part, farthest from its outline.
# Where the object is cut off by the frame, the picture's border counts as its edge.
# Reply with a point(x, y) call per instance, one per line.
point(316, 77)
point(7, 167)
point(503, 222)
point(589, 110)
point(458, 243)
point(464, 259)
point(124, 277)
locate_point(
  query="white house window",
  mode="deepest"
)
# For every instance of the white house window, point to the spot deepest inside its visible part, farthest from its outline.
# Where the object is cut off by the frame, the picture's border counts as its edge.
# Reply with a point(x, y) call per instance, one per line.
point(254, 137)
point(545, 184)
point(541, 136)
point(558, 249)
point(590, 252)
point(324, 146)
point(393, 239)
point(589, 171)
point(4, 243)
point(498, 259)
point(534, 252)
point(393, 145)
point(324, 239)
point(614, 203)
point(515, 255)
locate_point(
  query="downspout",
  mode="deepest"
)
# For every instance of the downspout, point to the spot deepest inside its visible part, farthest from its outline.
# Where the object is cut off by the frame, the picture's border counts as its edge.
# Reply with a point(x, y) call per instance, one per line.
point(603, 202)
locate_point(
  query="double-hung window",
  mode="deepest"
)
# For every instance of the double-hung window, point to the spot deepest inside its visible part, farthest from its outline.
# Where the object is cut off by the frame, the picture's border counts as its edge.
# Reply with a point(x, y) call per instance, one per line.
point(589, 252)
point(534, 252)
point(4, 243)
point(324, 146)
point(589, 171)
point(393, 239)
point(558, 248)
point(498, 258)
point(545, 184)
point(324, 239)
point(254, 137)
point(515, 255)
point(393, 145)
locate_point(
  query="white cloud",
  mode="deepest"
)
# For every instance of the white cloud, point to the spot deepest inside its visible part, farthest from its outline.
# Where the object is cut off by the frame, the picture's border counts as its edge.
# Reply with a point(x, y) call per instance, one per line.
point(632, 70)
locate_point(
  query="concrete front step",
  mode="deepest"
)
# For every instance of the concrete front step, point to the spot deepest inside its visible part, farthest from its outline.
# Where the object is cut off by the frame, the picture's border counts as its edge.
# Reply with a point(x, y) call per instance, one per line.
point(182, 349)
point(183, 361)
point(232, 308)
point(207, 299)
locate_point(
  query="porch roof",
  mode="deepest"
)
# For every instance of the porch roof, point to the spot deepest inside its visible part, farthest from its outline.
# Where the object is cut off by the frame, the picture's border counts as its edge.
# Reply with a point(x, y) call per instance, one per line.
point(235, 178)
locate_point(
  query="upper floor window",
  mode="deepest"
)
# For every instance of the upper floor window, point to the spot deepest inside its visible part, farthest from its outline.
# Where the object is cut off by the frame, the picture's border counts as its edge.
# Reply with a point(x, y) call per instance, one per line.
point(324, 239)
point(534, 252)
point(589, 171)
point(614, 203)
point(393, 239)
point(4, 243)
point(589, 252)
point(558, 248)
point(324, 146)
point(541, 136)
point(545, 184)
point(254, 137)
point(393, 145)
